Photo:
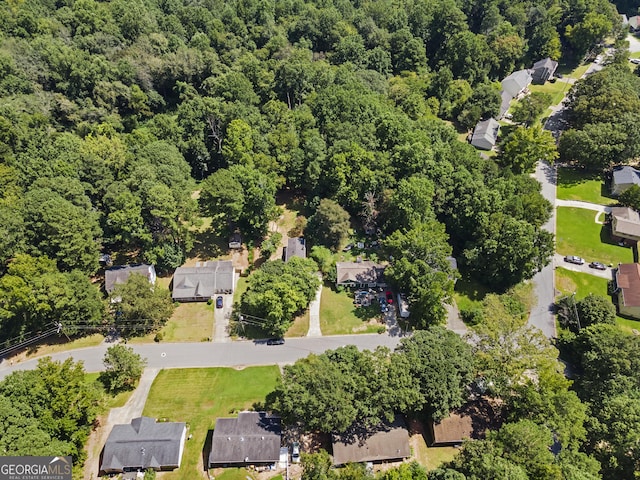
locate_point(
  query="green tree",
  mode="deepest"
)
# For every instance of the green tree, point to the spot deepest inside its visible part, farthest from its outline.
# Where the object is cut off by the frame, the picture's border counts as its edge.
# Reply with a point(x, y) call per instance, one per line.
point(123, 368)
point(524, 147)
point(317, 466)
point(592, 29)
point(529, 109)
point(443, 385)
point(594, 309)
point(329, 225)
point(140, 307)
point(631, 197)
point(479, 459)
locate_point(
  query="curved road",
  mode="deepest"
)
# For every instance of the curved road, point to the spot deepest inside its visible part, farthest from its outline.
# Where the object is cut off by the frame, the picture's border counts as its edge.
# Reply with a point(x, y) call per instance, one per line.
point(207, 354)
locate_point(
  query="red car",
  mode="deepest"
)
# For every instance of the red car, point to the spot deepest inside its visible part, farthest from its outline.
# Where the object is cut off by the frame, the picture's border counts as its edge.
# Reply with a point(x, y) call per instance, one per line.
point(389, 297)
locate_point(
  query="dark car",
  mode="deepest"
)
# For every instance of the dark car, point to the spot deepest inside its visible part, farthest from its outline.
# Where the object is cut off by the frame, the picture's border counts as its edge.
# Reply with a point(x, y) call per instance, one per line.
point(574, 259)
point(598, 265)
point(219, 302)
point(389, 297)
point(275, 341)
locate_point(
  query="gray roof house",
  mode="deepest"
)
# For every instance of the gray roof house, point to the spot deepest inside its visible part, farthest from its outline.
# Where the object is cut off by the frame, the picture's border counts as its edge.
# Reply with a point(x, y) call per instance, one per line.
point(143, 444)
point(485, 134)
point(625, 224)
point(202, 282)
point(623, 178)
point(296, 247)
point(387, 441)
point(365, 274)
point(116, 275)
point(543, 70)
point(516, 83)
point(252, 438)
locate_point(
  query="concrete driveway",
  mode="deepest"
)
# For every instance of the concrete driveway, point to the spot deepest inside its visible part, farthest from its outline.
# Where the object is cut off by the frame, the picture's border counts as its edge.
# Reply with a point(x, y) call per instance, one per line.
point(634, 43)
point(558, 261)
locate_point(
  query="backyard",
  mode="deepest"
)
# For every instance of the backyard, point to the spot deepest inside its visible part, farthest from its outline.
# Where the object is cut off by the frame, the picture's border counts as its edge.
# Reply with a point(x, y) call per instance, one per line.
point(576, 184)
point(199, 396)
point(339, 315)
point(577, 233)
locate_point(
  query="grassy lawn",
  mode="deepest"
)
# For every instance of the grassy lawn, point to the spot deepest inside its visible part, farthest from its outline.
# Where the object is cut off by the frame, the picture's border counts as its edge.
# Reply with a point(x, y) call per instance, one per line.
point(557, 90)
point(338, 314)
point(241, 287)
point(235, 474)
point(300, 326)
point(568, 282)
point(578, 234)
point(469, 294)
point(190, 322)
point(433, 457)
point(59, 344)
point(198, 397)
point(580, 185)
point(112, 401)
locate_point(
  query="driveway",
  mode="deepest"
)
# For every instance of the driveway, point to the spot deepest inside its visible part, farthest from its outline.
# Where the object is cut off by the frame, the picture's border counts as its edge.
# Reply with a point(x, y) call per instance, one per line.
point(634, 43)
point(558, 261)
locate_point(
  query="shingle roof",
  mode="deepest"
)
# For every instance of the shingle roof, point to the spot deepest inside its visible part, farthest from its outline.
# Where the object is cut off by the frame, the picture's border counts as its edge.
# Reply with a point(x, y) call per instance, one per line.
point(143, 444)
point(452, 429)
point(296, 247)
point(516, 82)
point(203, 281)
point(626, 175)
point(628, 280)
point(543, 69)
point(485, 131)
point(626, 222)
point(117, 275)
point(251, 438)
point(359, 272)
point(387, 441)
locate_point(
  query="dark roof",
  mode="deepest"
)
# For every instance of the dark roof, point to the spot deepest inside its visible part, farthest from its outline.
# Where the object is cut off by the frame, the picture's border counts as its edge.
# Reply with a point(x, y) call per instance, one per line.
point(472, 420)
point(116, 275)
point(235, 239)
point(452, 429)
point(387, 441)
point(296, 247)
point(143, 444)
point(628, 280)
point(251, 438)
point(204, 281)
point(543, 69)
point(366, 272)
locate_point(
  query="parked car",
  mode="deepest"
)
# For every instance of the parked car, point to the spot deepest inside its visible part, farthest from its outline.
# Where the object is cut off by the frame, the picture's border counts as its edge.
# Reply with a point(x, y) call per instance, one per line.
point(389, 296)
point(295, 452)
point(574, 259)
point(635, 61)
point(275, 341)
point(219, 302)
point(598, 265)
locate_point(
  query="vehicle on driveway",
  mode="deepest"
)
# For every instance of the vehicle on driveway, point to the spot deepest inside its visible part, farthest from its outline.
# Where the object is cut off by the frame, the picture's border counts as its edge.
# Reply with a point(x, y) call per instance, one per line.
point(295, 452)
point(389, 296)
point(598, 265)
point(573, 259)
point(275, 341)
point(219, 302)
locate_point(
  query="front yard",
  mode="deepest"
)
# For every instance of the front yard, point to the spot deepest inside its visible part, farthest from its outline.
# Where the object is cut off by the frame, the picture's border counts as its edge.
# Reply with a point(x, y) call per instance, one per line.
point(198, 397)
point(339, 315)
point(578, 234)
point(584, 186)
point(191, 322)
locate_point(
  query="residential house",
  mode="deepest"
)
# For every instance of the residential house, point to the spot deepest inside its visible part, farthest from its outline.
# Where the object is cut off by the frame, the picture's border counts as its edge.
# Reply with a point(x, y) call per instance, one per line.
point(634, 23)
point(485, 134)
point(116, 275)
point(625, 224)
point(451, 430)
point(516, 83)
point(386, 442)
point(472, 420)
point(627, 289)
point(505, 103)
point(235, 241)
point(365, 274)
point(252, 438)
point(623, 178)
point(543, 70)
point(202, 282)
point(296, 247)
point(143, 444)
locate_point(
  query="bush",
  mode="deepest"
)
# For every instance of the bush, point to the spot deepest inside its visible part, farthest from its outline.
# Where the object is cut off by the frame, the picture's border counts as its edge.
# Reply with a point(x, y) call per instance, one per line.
point(159, 337)
point(472, 315)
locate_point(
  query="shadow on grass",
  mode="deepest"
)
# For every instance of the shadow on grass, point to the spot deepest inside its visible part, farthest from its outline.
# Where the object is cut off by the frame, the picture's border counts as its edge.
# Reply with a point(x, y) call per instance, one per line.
point(568, 176)
point(472, 289)
point(207, 244)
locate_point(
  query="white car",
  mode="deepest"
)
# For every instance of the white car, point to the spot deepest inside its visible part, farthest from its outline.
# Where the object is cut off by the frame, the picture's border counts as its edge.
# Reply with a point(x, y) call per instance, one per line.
point(574, 259)
point(295, 452)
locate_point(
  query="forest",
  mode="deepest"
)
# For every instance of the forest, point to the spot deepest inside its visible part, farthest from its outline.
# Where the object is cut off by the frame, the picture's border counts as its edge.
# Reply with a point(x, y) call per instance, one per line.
point(124, 123)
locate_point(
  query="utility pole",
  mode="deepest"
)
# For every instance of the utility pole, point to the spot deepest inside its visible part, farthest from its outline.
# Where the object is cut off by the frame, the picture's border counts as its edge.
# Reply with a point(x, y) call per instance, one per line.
point(575, 309)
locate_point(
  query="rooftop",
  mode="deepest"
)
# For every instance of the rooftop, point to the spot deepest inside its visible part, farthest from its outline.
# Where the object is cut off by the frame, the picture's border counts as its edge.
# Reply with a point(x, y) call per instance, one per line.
point(296, 247)
point(120, 274)
point(366, 272)
point(203, 281)
point(628, 280)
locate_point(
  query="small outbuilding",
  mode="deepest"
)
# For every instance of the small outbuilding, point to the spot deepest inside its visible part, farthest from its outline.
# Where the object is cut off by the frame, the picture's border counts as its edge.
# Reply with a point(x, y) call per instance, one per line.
point(624, 178)
point(117, 275)
point(386, 442)
point(485, 135)
point(470, 421)
point(252, 438)
point(202, 282)
point(296, 247)
point(143, 444)
point(543, 70)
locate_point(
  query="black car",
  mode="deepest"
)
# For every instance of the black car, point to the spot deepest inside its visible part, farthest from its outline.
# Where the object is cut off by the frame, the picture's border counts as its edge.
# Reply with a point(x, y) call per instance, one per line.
point(597, 266)
point(275, 341)
point(219, 302)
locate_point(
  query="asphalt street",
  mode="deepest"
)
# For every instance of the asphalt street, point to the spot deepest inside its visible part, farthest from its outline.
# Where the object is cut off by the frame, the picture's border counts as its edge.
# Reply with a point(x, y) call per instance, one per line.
point(208, 354)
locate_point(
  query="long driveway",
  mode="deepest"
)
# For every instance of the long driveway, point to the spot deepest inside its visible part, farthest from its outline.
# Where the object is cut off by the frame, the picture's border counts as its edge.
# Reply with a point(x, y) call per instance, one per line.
point(207, 354)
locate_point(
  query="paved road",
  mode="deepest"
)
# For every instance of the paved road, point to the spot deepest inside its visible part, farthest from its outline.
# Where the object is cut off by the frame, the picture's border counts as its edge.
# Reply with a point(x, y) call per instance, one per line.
point(207, 354)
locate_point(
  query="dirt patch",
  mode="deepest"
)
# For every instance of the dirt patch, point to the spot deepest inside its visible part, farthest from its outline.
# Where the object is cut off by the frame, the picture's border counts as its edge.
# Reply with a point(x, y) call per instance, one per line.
point(93, 447)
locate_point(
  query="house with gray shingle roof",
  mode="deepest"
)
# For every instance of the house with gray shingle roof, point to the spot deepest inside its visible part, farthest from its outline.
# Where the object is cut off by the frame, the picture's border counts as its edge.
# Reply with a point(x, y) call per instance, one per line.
point(516, 83)
point(634, 23)
point(543, 70)
point(623, 178)
point(143, 444)
point(296, 247)
point(120, 274)
point(485, 135)
point(365, 274)
point(252, 438)
point(202, 282)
